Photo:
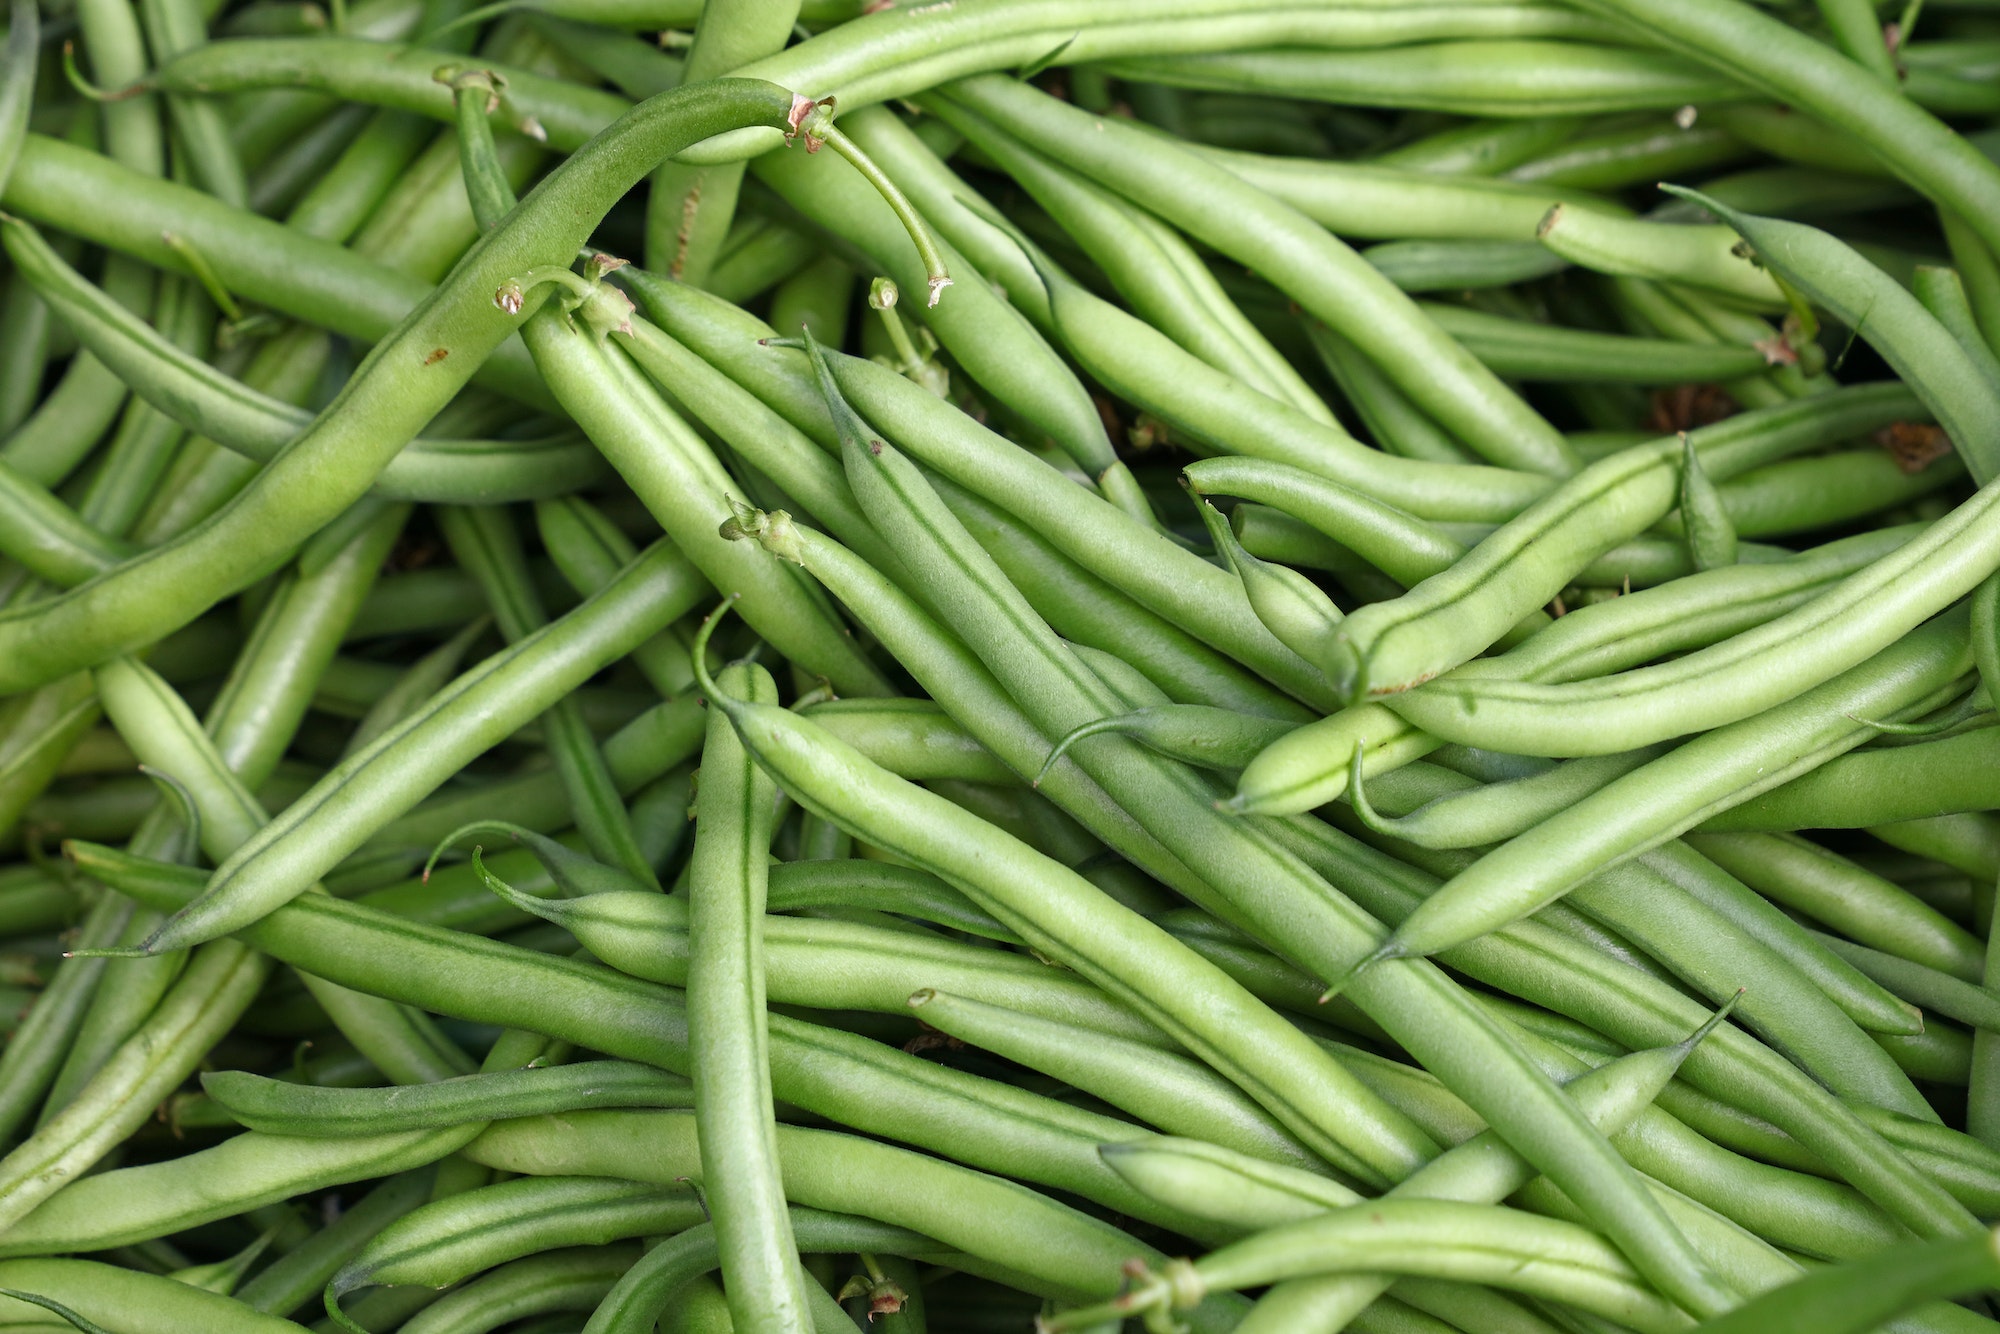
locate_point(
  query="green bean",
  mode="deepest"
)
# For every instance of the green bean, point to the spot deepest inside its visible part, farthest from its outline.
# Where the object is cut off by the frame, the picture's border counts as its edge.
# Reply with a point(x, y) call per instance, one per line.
point(912, 738)
point(480, 708)
point(1539, 964)
point(686, 488)
point(340, 199)
point(38, 1045)
point(1395, 203)
point(1935, 991)
point(1934, 363)
point(1148, 262)
point(422, 679)
point(590, 550)
point(996, 347)
point(570, 1279)
point(1218, 208)
point(172, 27)
point(1398, 645)
point(1446, 266)
point(766, 254)
point(1479, 1243)
point(100, 1292)
point(1193, 733)
point(410, 391)
point(1397, 425)
point(1296, 611)
point(277, 1107)
point(486, 543)
point(1089, 613)
point(1518, 349)
point(846, 1078)
point(1153, 571)
point(757, 433)
point(1864, 1293)
point(817, 297)
point(644, 1293)
point(1802, 495)
point(1838, 628)
point(1800, 72)
point(292, 1280)
point(1704, 257)
point(1118, 950)
point(726, 984)
point(689, 208)
point(1481, 148)
point(1407, 549)
point(1171, 1091)
point(1717, 770)
point(453, 1238)
point(17, 83)
point(259, 260)
point(1056, 1249)
point(1657, 149)
point(1872, 787)
point(1239, 857)
point(1473, 78)
point(883, 886)
point(1497, 811)
point(133, 1203)
point(830, 964)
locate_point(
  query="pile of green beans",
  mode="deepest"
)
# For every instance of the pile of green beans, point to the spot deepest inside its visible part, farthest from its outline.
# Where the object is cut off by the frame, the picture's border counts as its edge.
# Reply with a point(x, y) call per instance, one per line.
point(790, 666)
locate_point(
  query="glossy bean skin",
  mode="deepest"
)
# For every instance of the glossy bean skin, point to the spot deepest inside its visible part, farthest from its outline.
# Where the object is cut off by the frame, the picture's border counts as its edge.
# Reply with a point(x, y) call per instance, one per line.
point(1568, 977)
point(1935, 364)
point(1297, 772)
point(1168, 1090)
point(642, 1296)
point(278, 1107)
point(1160, 576)
point(1740, 676)
point(686, 489)
point(136, 1203)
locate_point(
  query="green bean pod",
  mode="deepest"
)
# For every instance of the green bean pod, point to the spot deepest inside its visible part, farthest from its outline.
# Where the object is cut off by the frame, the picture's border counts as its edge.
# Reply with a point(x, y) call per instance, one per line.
point(1395, 646)
point(1057, 1250)
point(1219, 208)
point(277, 1107)
point(1879, 309)
point(404, 384)
point(1699, 256)
point(1720, 769)
point(552, 1284)
point(1861, 1295)
point(464, 720)
point(1173, 1092)
point(458, 1236)
point(114, 1297)
point(831, 964)
point(1470, 78)
point(1877, 786)
point(1193, 733)
point(912, 738)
